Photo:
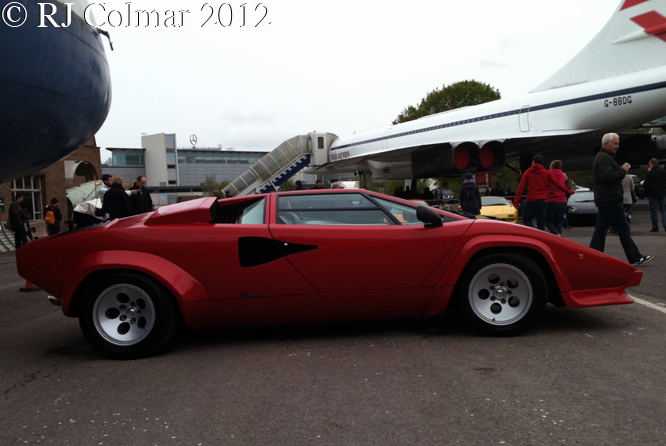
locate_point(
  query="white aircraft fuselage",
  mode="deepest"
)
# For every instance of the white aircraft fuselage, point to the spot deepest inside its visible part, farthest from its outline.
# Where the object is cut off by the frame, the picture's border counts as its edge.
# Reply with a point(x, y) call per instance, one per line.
point(617, 82)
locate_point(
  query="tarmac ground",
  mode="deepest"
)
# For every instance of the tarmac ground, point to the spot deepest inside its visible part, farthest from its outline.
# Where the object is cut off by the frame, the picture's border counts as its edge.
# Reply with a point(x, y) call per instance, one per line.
point(585, 377)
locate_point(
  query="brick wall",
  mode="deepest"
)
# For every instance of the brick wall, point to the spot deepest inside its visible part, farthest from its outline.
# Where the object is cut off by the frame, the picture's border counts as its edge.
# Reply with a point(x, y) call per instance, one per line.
point(54, 183)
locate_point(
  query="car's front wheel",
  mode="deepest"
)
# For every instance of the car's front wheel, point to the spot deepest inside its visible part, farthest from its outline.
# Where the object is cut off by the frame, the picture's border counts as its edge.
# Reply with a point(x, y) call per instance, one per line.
point(128, 316)
point(504, 294)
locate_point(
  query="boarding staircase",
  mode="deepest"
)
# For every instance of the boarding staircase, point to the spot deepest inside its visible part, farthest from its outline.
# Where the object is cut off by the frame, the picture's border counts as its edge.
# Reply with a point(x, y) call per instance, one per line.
point(282, 163)
point(6, 237)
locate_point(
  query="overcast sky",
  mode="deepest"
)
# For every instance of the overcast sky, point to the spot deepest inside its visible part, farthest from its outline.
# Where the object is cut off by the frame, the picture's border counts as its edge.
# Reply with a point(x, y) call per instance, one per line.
point(336, 66)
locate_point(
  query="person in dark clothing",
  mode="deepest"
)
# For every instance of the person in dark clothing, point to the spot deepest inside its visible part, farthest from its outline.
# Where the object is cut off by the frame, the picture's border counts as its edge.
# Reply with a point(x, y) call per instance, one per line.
point(318, 185)
point(299, 185)
point(470, 198)
point(142, 202)
point(496, 190)
point(408, 194)
point(116, 202)
point(427, 194)
point(655, 189)
point(55, 227)
point(536, 180)
point(17, 219)
point(608, 195)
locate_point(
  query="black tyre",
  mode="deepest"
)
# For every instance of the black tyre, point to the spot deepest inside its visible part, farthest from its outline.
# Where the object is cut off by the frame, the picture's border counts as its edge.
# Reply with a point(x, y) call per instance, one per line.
point(128, 316)
point(503, 294)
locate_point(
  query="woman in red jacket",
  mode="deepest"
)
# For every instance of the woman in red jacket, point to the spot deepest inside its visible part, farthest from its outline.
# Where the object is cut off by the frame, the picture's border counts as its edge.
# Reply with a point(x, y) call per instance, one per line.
point(557, 200)
point(535, 181)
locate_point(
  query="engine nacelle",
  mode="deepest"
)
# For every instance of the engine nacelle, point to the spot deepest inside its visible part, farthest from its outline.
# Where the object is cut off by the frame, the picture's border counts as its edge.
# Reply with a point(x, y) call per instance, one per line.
point(445, 159)
point(441, 160)
point(492, 156)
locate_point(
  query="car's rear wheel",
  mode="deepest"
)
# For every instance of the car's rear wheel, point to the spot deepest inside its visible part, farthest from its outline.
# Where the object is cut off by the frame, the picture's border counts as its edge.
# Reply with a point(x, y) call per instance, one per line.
point(128, 316)
point(504, 294)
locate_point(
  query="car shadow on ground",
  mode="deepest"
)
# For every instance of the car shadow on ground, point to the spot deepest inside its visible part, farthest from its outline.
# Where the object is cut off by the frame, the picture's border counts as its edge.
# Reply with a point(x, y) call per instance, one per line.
point(582, 320)
point(452, 324)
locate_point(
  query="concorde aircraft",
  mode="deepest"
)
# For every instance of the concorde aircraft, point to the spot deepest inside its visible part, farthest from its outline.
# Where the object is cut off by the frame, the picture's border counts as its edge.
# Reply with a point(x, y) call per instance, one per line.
point(618, 81)
point(55, 87)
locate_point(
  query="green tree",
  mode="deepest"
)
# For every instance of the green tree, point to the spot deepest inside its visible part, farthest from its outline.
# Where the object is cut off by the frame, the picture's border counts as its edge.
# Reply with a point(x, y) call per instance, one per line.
point(211, 184)
point(450, 97)
point(288, 185)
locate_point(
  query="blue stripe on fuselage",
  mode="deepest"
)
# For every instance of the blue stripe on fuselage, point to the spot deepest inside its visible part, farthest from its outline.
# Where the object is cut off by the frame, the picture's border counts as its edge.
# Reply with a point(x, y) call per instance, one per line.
point(611, 94)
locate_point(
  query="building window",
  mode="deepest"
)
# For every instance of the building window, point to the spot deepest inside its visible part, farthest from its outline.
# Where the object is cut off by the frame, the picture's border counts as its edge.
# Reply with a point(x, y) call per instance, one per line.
point(31, 188)
point(172, 176)
point(171, 157)
point(122, 159)
point(170, 141)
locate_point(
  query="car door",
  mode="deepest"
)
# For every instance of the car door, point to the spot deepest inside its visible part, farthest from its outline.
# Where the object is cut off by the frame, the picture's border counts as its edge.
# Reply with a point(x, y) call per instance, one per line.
point(230, 258)
point(372, 247)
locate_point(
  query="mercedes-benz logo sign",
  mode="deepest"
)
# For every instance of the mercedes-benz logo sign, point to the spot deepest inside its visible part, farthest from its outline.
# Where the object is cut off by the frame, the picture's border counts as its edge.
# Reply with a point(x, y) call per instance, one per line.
point(193, 139)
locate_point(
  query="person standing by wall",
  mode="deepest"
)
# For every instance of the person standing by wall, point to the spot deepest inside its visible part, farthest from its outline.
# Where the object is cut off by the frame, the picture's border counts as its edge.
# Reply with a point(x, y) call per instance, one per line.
point(655, 190)
point(608, 195)
point(57, 213)
point(17, 219)
point(470, 198)
point(536, 180)
point(556, 203)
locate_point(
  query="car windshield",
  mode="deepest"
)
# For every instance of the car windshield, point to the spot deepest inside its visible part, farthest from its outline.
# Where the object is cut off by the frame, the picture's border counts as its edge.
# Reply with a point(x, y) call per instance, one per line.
point(494, 201)
point(579, 197)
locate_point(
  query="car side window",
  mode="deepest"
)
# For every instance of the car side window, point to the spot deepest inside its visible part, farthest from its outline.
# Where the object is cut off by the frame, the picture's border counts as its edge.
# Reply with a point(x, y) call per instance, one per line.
point(251, 212)
point(406, 215)
point(254, 214)
point(330, 209)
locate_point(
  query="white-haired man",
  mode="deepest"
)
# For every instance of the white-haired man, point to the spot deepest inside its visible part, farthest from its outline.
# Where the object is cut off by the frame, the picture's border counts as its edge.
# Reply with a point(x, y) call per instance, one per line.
point(608, 195)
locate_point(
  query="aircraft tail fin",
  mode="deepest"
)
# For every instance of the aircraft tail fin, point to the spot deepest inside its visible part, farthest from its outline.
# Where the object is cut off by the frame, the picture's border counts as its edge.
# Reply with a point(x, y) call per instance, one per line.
point(634, 39)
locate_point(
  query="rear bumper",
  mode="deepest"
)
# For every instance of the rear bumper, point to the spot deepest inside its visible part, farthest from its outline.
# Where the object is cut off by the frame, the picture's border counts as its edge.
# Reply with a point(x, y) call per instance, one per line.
point(596, 298)
point(603, 296)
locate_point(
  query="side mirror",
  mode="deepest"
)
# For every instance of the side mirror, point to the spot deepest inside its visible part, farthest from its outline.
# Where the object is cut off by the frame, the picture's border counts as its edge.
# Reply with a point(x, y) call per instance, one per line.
point(430, 218)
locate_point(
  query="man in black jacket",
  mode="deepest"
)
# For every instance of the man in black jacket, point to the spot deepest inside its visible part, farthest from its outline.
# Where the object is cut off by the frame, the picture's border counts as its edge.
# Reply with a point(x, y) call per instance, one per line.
point(17, 219)
point(608, 196)
point(655, 190)
point(116, 202)
point(470, 198)
point(141, 201)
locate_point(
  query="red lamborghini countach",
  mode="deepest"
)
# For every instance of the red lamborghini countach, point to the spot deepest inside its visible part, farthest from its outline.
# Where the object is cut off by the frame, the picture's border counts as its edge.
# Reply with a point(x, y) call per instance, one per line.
point(309, 256)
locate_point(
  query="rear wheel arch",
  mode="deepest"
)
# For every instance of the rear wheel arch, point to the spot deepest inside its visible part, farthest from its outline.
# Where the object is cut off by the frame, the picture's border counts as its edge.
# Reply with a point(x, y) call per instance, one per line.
point(127, 314)
point(554, 294)
point(92, 279)
point(502, 293)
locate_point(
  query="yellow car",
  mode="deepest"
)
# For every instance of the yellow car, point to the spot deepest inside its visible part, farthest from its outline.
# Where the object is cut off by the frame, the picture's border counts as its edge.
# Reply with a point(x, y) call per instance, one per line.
point(499, 208)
